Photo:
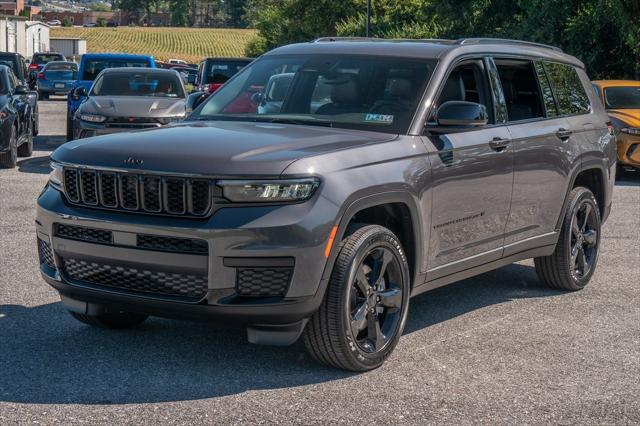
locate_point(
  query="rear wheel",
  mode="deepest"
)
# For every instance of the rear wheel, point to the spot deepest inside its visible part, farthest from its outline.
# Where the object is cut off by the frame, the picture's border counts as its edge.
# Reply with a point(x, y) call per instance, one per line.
point(365, 308)
point(26, 149)
point(112, 320)
point(9, 159)
point(574, 260)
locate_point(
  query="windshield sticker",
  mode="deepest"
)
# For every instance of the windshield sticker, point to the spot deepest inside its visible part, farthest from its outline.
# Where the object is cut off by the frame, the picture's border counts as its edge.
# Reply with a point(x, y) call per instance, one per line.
point(379, 118)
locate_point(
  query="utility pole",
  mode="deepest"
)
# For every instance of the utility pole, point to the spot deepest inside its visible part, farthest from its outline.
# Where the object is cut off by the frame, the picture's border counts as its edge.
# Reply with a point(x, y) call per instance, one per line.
point(368, 17)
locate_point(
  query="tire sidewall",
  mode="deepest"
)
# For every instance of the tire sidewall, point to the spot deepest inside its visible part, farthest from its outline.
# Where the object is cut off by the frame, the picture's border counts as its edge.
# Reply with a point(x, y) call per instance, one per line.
point(376, 237)
point(581, 196)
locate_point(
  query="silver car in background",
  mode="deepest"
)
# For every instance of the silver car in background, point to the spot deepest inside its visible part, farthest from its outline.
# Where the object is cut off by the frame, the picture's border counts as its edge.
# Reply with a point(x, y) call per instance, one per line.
point(126, 99)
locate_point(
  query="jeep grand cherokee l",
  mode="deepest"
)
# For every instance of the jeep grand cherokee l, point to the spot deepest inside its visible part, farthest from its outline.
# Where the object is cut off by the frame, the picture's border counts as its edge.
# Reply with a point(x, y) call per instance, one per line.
point(384, 170)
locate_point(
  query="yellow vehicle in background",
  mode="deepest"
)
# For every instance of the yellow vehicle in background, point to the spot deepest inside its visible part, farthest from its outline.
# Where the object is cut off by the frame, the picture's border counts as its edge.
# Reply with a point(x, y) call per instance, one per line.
point(621, 99)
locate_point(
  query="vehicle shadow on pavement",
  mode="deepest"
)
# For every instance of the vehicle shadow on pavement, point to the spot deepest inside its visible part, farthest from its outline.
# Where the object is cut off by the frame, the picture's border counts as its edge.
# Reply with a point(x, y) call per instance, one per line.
point(38, 165)
point(46, 357)
point(629, 179)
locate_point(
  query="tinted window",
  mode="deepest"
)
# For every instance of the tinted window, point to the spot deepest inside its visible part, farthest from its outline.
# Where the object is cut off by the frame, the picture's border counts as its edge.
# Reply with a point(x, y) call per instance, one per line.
point(93, 67)
point(521, 91)
point(359, 92)
point(62, 66)
point(547, 93)
point(218, 72)
point(10, 62)
point(41, 58)
point(567, 88)
point(161, 85)
point(622, 97)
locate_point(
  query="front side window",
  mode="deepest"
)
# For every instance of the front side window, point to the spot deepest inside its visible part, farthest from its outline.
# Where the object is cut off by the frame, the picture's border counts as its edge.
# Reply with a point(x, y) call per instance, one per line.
point(159, 85)
point(93, 67)
point(622, 97)
point(567, 88)
point(521, 90)
point(9, 62)
point(359, 92)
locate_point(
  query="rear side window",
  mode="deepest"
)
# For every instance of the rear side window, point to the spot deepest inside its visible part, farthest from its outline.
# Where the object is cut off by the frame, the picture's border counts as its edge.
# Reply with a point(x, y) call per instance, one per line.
point(567, 88)
point(547, 94)
point(521, 91)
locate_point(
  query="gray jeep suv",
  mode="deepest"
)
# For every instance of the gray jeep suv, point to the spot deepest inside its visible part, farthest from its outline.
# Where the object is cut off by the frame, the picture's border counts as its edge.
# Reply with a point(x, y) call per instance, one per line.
point(380, 170)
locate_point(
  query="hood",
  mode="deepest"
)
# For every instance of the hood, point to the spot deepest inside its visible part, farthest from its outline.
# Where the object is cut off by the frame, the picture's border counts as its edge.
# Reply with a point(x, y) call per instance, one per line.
point(214, 148)
point(133, 106)
point(630, 117)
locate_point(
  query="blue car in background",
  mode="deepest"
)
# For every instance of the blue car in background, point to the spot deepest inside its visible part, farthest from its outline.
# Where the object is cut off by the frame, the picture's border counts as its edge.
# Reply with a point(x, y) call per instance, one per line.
point(91, 65)
point(57, 78)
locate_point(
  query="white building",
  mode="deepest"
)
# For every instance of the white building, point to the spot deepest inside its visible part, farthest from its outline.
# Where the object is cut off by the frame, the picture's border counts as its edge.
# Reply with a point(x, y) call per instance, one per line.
point(21, 36)
point(37, 38)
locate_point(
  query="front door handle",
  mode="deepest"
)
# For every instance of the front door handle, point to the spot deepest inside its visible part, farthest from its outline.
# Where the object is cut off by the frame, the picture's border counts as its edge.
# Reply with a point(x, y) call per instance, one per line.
point(563, 134)
point(498, 144)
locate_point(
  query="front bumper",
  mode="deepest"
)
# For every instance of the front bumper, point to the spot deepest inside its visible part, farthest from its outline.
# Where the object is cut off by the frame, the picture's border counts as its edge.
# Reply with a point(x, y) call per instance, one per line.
point(628, 149)
point(235, 237)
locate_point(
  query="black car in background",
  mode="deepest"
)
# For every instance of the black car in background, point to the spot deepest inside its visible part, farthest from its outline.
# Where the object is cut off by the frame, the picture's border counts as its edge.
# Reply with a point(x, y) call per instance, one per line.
point(214, 72)
point(17, 120)
point(18, 65)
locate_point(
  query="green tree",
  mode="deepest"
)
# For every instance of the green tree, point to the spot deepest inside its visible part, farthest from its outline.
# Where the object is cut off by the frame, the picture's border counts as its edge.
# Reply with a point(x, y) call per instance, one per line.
point(101, 22)
point(66, 22)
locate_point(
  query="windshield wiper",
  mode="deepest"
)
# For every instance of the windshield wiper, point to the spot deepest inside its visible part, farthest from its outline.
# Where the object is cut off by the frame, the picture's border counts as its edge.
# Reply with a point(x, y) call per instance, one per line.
point(295, 121)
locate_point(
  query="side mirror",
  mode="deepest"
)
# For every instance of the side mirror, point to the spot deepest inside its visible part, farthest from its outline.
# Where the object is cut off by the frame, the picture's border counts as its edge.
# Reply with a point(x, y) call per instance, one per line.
point(462, 114)
point(21, 90)
point(194, 100)
point(257, 98)
point(78, 93)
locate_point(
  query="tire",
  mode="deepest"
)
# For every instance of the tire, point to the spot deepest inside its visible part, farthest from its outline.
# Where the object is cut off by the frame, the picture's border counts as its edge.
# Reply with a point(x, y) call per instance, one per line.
point(9, 159)
point(43, 96)
point(580, 235)
point(111, 320)
point(26, 149)
point(69, 129)
point(620, 171)
point(335, 335)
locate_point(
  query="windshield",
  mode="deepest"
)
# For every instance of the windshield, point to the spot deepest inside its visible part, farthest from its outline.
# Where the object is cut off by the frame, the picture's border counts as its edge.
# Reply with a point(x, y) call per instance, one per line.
point(622, 97)
point(358, 92)
point(93, 67)
point(218, 72)
point(155, 84)
point(43, 59)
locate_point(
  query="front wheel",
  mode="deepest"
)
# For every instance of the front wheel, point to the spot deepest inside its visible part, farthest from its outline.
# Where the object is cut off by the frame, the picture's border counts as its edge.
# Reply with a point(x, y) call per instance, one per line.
point(574, 260)
point(26, 149)
point(69, 128)
point(365, 307)
point(9, 159)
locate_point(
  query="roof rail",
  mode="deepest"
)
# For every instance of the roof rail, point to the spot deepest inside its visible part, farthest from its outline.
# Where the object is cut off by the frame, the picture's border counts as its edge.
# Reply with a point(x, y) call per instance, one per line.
point(416, 40)
point(324, 39)
point(487, 40)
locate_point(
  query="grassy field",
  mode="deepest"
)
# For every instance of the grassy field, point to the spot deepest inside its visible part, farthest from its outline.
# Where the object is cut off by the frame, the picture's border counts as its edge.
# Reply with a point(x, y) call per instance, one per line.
point(189, 44)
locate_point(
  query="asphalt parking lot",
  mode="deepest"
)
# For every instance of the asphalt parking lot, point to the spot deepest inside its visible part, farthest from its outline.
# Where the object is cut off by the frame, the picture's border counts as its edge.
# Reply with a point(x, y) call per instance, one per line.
point(498, 348)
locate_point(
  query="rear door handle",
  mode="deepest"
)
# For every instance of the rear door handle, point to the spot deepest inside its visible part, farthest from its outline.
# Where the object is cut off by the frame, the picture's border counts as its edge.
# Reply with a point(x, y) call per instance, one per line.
point(563, 134)
point(498, 144)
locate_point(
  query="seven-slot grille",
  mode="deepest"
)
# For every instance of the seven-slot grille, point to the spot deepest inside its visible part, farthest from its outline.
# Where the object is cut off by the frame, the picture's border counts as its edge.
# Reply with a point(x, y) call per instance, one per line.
point(138, 192)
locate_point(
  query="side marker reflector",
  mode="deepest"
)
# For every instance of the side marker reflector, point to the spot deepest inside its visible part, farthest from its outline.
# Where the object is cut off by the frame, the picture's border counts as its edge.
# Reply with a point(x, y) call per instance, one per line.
point(332, 236)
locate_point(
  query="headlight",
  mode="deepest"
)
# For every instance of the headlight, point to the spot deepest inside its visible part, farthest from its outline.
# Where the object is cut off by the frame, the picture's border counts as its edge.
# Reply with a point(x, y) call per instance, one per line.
point(630, 131)
point(56, 174)
point(92, 118)
point(269, 191)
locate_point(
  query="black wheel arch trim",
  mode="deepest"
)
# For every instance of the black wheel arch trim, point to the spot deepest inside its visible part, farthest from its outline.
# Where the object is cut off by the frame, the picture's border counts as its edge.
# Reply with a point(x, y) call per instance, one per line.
point(378, 199)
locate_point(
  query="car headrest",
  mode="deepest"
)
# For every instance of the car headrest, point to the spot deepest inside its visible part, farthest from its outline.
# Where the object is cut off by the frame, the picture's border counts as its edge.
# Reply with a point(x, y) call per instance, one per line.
point(401, 88)
point(453, 89)
point(345, 90)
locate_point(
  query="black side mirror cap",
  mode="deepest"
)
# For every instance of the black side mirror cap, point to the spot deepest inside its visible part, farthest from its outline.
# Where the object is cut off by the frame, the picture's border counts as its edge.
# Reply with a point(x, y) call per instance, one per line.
point(462, 114)
point(21, 90)
point(78, 93)
point(194, 100)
